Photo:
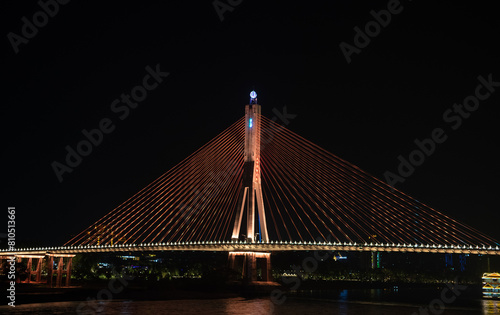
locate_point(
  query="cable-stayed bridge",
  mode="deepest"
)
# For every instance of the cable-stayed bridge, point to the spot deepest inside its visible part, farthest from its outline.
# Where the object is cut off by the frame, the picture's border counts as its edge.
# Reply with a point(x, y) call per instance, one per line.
point(258, 187)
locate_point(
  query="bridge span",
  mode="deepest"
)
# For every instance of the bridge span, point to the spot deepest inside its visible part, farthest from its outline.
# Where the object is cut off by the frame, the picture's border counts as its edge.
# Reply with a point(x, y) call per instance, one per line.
point(250, 191)
point(232, 246)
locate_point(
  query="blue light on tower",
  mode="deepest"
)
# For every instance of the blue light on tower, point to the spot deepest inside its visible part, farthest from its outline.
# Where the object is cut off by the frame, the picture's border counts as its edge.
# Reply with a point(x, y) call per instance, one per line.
point(250, 123)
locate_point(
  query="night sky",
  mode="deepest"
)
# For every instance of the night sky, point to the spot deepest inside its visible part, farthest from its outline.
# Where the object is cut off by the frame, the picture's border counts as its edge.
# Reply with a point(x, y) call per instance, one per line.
point(66, 76)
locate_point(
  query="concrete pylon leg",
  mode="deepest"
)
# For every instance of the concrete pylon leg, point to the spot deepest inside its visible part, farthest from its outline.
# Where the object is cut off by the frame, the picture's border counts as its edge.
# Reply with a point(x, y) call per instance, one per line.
point(69, 265)
point(251, 266)
point(244, 271)
point(28, 269)
point(250, 261)
point(232, 261)
point(269, 276)
point(39, 270)
point(50, 270)
point(59, 272)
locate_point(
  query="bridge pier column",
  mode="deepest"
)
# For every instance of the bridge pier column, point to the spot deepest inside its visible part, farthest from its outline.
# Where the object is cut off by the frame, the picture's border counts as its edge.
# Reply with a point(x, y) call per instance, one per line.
point(232, 261)
point(39, 270)
point(69, 265)
point(250, 263)
point(59, 272)
point(35, 276)
point(31, 275)
point(28, 269)
point(50, 270)
point(251, 267)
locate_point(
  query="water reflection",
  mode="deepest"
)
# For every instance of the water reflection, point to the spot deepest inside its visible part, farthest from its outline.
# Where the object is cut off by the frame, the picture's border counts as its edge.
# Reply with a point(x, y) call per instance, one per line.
point(491, 307)
point(250, 306)
point(343, 302)
point(343, 307)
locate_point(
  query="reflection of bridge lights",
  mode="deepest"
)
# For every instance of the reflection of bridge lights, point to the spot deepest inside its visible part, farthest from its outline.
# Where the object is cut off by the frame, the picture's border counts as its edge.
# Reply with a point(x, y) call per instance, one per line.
point(343, 295)
point(490, 306)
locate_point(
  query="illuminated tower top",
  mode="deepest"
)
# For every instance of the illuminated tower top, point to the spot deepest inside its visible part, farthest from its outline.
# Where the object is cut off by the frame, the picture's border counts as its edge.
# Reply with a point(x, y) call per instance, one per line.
point(253, 97)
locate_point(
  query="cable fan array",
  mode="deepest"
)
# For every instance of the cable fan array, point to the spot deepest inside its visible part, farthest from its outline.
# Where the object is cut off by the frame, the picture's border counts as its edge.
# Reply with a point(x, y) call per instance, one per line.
point(309, 195)
point(315, 195)
point(193, 201)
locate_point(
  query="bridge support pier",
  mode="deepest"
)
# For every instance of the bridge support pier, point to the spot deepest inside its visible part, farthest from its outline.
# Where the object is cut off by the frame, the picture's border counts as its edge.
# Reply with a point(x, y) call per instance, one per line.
point(34, 276)
point(62, 269)
point(33, 261)
point(255, 266)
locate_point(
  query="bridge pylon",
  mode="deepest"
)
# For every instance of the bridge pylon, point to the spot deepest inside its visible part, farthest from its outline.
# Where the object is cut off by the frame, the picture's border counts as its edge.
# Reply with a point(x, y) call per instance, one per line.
point(250, 199)
point(251, 194)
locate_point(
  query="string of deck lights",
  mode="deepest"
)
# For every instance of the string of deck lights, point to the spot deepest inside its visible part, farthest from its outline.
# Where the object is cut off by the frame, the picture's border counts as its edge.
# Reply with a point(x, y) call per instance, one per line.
point(277, 243)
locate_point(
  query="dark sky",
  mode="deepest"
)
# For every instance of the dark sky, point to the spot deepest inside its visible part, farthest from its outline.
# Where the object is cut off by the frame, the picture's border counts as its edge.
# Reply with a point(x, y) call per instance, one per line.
point(65, 78)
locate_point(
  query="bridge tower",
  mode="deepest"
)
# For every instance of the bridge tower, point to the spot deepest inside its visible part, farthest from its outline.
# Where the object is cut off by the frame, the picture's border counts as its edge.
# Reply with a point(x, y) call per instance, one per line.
point(251, 195)
point(250, 199)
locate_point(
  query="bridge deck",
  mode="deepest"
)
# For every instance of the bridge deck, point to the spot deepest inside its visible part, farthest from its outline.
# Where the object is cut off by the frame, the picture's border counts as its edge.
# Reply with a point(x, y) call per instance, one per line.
point(257, 247)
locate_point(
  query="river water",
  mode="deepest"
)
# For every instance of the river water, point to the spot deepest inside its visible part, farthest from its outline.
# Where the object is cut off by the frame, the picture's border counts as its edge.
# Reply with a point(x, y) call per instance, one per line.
point(375, 301)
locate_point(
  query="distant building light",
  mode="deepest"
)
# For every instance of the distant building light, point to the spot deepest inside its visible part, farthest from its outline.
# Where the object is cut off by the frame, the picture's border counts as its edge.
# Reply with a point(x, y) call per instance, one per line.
point(250, 123)
point(103, 265)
